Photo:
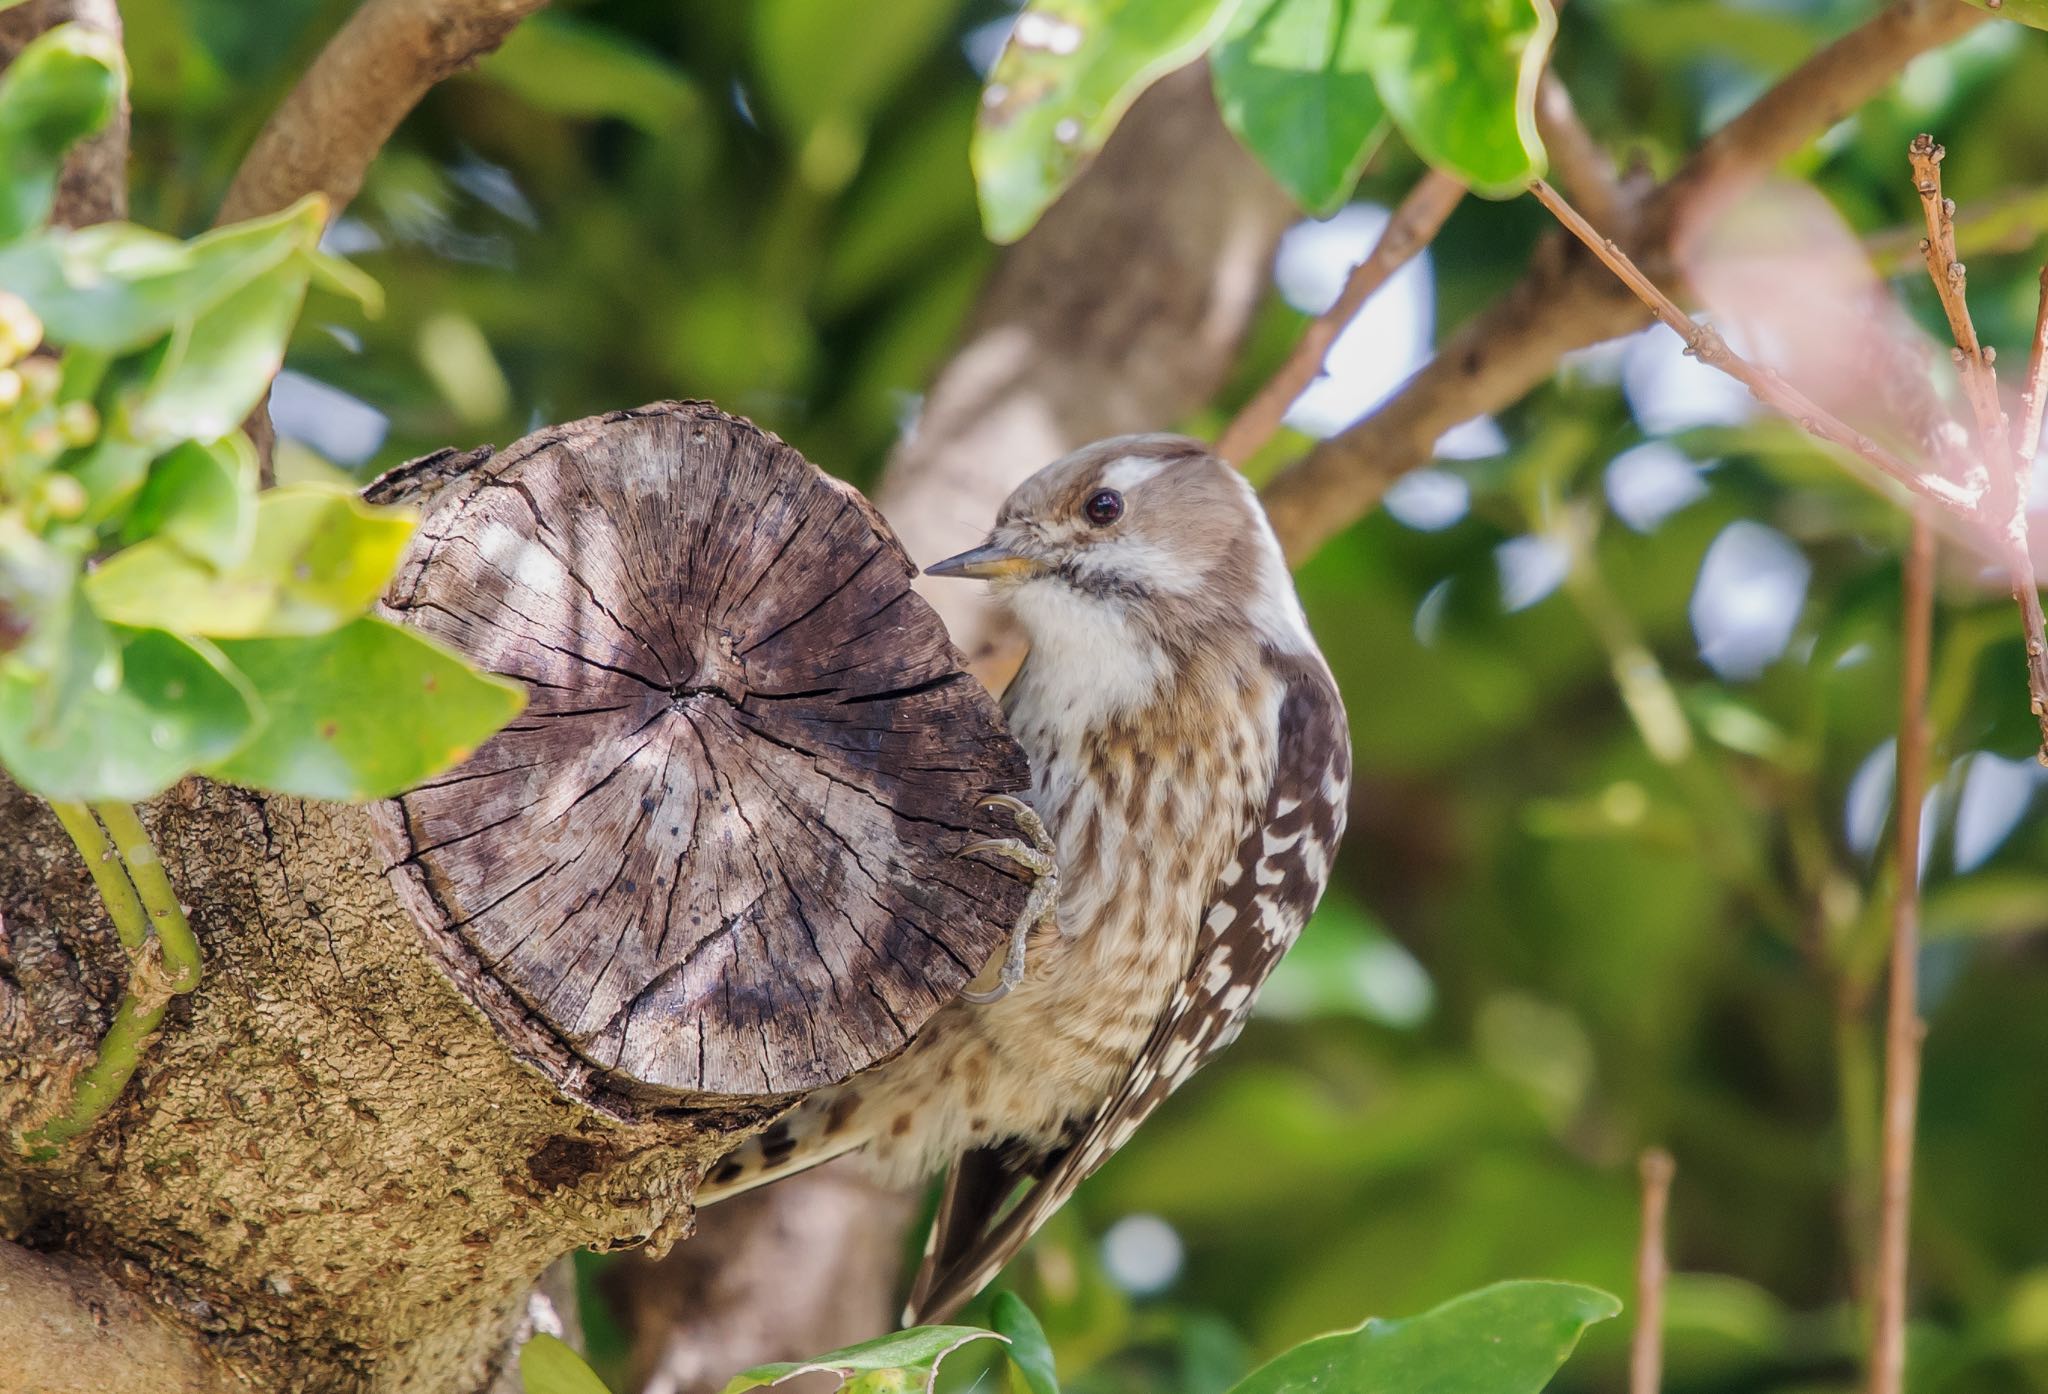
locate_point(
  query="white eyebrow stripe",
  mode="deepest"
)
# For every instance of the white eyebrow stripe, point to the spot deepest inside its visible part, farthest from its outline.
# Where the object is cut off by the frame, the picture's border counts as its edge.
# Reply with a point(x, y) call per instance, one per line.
point(1130, 472)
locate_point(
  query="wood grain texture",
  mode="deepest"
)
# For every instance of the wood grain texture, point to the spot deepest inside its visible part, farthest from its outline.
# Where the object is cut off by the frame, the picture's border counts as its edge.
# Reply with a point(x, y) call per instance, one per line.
point(716, 854)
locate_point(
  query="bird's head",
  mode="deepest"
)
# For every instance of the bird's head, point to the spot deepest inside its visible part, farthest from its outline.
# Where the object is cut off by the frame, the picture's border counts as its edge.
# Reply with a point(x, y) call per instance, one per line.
point(1146, 539)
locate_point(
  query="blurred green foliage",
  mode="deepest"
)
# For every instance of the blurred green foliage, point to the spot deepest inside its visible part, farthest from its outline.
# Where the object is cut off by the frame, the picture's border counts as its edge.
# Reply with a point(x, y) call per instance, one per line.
point(1568, 923)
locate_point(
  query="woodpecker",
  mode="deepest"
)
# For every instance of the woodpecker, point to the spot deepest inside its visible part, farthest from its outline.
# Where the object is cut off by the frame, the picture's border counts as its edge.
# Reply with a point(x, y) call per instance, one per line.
point(1190, 765)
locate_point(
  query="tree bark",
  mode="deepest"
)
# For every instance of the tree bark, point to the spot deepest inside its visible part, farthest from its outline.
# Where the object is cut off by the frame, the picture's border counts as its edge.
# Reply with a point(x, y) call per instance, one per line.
point(374, 71)
point(720, 845)
point(94, 185)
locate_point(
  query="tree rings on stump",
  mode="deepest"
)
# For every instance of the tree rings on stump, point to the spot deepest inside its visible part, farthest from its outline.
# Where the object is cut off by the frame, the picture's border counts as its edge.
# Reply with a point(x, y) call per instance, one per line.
point(716, 855)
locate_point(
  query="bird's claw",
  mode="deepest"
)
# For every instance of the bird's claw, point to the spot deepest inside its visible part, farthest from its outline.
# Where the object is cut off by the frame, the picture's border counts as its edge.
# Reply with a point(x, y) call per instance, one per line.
point(1035, 855)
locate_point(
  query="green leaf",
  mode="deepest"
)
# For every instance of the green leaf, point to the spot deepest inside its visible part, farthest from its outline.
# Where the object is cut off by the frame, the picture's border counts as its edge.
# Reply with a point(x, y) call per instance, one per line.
point(2030, 12)
point(202, 497)
point(549, 1366)
point(362, 712)
point(176, 705)
point(218, 371)
point(1460, 81)
point(1506, 1339)
point(115, 287)
point(1293, 84)
point(1070, 71)
point(61, 88)
point(346, 279)
point(1030, 1352)
point(917, 1351)
point(319, 557)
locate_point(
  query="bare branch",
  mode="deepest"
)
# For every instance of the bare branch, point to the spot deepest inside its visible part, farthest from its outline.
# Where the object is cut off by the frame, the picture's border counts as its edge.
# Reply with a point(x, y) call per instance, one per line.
point(1565, 302)
point(2005, 464)
point(1577, 161)
point(94, 185)
point(1646, 1345)
point(2010, 222)
point(328, 130)
point(1973, 360)
point(1903, 1028)
point(1407, 232)
point(1706, 344)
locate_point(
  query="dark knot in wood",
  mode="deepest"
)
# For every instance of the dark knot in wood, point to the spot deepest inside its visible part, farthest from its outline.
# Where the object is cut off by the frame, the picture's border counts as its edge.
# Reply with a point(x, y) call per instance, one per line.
point(716, 854)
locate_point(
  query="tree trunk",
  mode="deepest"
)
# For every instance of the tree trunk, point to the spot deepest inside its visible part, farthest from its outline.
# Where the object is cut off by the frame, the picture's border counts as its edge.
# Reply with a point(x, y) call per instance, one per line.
point(445, 1040)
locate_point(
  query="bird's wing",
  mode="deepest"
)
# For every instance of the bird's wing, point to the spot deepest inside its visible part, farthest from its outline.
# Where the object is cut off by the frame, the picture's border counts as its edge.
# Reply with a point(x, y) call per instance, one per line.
point(1255, 910)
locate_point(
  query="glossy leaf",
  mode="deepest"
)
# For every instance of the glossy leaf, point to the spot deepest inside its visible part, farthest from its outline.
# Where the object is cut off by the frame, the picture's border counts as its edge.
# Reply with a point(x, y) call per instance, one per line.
point(61, 88)
point(175, 705)
point(1070, 71)
point(548, 1365)
point(1460, 81)
point(202, 497)
point(218, 370)
point(1293, 84)
point(319, 557)
point(916, 1352)
point(361, 712)
point(1506, 1339)
point(1030, 1352)
point(115, 287)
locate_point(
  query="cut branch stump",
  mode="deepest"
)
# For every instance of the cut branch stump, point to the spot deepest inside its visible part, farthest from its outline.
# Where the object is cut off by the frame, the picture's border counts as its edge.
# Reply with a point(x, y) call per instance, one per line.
point(717, 852)
point(444, 1040)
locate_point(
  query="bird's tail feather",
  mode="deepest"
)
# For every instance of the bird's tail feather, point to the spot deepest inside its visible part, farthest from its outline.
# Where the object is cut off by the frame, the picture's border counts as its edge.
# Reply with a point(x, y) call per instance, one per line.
point(804, 1137)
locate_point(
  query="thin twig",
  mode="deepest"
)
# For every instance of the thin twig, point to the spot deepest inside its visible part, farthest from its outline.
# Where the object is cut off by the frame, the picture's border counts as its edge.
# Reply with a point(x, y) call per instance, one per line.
point(374, 70)
point(166, 916)
point(1903, 1029)
point(141, 1008)
point(1973, 360)
point(136, 1019)
point(2009, 222)
point(1706, 344)
point(1646, 1345)
point(2003, 464)
point(1407, 232)
point(2026, 587)
point(117, 892)
point(1563, 303)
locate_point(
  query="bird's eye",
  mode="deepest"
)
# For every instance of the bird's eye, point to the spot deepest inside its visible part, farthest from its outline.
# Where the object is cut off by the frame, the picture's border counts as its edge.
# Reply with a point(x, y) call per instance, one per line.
point(1104, 507)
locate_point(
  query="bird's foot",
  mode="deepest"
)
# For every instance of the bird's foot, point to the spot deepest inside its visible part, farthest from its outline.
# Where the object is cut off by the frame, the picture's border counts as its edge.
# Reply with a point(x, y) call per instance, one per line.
point(1034, 852)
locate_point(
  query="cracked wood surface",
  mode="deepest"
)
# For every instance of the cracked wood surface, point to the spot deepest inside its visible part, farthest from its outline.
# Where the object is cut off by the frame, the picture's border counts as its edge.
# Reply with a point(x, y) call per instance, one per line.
point(716, 853)
point(348, 1156)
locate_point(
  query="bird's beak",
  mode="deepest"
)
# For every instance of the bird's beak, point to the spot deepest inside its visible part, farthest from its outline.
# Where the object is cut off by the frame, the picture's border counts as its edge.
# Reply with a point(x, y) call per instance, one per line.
point(990, 561)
